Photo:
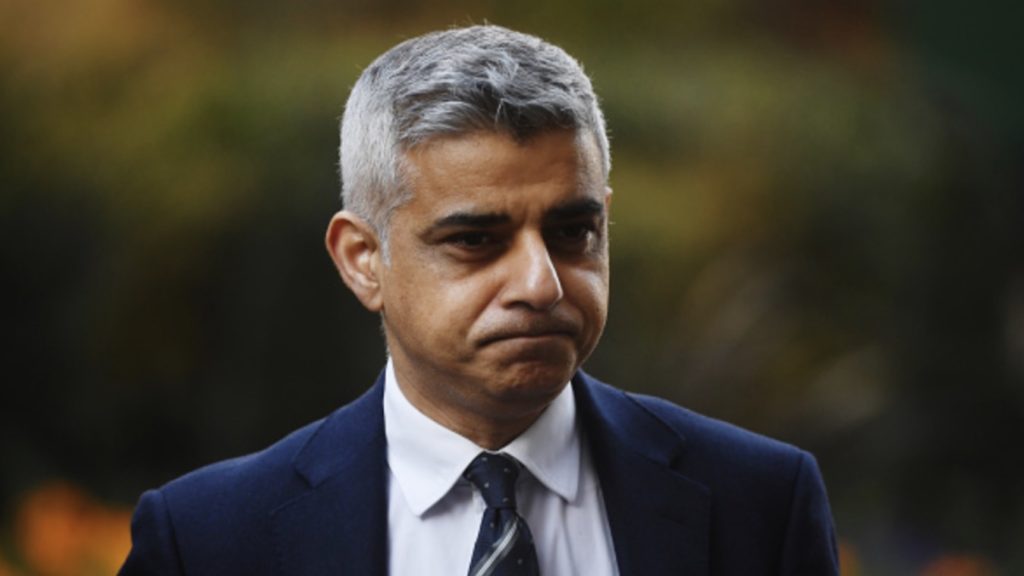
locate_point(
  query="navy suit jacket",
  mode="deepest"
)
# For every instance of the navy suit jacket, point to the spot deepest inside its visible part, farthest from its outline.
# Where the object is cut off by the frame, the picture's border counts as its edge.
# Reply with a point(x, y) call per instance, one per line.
point(685, 495)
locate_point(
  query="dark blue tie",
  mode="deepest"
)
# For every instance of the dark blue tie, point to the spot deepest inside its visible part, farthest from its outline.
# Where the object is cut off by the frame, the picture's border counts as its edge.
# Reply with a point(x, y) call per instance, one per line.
point(504, 546)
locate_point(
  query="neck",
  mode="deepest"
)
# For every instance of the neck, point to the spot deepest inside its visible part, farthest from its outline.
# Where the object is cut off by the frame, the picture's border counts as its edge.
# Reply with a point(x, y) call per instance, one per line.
point(489, 420)
point(485, 429)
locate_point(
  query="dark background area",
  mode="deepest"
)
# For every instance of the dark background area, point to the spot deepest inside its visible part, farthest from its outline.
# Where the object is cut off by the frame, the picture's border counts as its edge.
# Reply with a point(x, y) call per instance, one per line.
point(817, 234)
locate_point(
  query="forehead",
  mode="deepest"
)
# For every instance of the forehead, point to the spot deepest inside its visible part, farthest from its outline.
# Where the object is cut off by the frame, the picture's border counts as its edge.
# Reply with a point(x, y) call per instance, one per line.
point(496, 169)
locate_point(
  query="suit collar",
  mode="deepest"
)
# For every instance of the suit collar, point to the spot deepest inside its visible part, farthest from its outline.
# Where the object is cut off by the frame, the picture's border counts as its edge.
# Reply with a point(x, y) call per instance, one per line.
point(339, 525)
point(343, 438)
point(660, 519)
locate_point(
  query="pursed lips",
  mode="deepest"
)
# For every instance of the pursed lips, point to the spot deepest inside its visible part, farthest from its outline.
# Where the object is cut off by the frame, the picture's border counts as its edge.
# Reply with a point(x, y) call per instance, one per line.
point(537, 330)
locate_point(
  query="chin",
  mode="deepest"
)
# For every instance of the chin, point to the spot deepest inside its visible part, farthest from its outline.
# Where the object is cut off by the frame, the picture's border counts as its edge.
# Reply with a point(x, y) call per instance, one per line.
point(535, 379)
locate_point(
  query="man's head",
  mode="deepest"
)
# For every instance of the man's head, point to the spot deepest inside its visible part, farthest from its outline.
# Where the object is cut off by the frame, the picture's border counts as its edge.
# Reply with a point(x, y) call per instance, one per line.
point(475, 165)
point(454, 82)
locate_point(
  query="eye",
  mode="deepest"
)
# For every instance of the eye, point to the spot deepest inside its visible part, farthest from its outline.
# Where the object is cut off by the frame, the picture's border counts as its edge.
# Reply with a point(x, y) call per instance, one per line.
point(470, 239)
point(577, 231)
point(574, 235)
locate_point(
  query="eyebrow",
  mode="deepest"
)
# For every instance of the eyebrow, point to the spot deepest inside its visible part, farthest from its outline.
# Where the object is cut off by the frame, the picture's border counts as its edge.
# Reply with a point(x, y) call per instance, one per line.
point(585, 207)
point(470, 220)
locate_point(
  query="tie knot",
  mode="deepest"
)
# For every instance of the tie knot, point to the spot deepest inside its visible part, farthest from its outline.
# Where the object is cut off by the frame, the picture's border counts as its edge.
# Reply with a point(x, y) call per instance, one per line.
point(494, 475)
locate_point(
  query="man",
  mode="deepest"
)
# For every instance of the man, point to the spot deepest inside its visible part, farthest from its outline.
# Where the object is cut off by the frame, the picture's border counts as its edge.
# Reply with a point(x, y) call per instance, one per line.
point(475, 165)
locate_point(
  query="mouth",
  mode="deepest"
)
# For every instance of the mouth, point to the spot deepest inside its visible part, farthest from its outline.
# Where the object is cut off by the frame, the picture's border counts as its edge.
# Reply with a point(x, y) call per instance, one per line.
point(538, 333)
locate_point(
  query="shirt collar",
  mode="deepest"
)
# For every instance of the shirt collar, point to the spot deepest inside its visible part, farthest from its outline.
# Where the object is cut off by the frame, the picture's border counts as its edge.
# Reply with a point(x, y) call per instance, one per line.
point(427, 459)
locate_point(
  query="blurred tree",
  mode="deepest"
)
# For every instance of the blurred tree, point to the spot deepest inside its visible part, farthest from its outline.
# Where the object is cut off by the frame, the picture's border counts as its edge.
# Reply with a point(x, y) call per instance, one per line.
point(817, 231)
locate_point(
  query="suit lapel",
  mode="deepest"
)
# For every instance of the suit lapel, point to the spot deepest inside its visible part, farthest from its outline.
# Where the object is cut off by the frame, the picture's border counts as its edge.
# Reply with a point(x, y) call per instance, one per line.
point(339, 525)
point(660, 520)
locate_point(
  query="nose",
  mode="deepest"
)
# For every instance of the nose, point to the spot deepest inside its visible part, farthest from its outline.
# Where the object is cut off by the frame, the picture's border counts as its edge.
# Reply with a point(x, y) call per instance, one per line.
point(532, 279)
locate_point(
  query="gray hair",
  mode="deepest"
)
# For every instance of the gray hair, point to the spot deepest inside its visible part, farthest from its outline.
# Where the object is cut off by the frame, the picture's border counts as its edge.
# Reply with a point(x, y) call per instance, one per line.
point(454, 82)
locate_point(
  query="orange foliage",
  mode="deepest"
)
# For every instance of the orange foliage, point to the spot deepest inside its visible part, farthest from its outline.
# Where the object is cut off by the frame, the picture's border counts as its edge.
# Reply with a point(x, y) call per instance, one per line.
point(849, 560)
point(60, 531)
point(5, 569)
point(959, 565)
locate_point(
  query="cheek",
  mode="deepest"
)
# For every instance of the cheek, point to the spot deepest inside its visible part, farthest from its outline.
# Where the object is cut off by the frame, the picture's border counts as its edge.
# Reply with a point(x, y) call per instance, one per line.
point(589, 291)
point(598, 307)
point(593, 278)
point(465, 302)
point(449, 309)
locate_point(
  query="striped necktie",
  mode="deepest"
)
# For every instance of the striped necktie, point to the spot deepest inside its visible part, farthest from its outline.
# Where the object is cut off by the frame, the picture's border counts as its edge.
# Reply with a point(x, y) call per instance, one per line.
point(504, 546)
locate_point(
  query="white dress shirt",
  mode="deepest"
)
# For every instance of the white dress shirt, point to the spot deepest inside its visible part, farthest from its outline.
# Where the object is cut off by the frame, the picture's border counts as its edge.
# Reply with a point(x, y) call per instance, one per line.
point(434, 514)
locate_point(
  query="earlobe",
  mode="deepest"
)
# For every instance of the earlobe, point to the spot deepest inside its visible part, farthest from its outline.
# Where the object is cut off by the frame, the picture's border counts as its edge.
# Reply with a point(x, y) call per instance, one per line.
point(355, 250)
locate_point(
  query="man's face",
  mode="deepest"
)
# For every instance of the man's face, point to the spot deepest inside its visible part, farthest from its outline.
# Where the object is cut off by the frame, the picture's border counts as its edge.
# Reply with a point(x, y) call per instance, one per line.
point(497, 286)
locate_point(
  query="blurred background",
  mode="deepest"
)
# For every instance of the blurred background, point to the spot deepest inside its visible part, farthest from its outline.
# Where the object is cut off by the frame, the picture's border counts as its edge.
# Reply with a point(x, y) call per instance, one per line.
point(818, 231)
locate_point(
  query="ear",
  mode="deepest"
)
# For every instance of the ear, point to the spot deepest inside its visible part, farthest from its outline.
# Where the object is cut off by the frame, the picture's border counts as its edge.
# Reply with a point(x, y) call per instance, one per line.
point(356, 252)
